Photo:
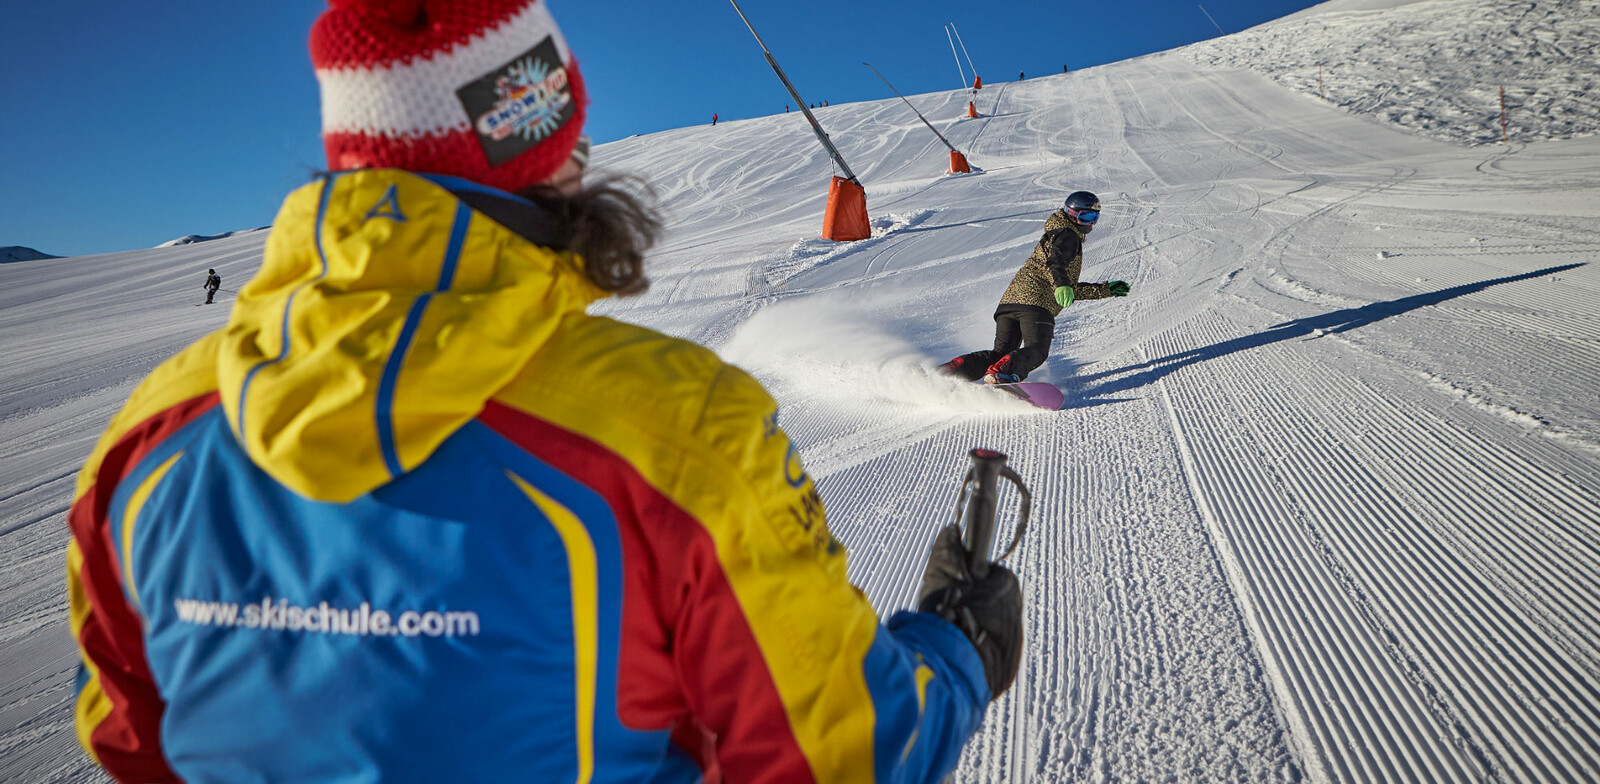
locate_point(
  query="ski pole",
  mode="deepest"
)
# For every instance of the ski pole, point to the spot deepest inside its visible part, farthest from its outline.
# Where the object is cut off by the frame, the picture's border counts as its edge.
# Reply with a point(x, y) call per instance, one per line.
point(976, 506)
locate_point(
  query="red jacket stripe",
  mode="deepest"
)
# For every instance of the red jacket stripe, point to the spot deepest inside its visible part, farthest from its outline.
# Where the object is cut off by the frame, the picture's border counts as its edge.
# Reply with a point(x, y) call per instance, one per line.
point(682, 624)
point(127, 741)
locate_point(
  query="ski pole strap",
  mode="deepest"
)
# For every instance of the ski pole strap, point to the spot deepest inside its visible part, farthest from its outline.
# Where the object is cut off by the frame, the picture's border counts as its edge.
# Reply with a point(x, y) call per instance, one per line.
point(976, 505)
point(1022, 513)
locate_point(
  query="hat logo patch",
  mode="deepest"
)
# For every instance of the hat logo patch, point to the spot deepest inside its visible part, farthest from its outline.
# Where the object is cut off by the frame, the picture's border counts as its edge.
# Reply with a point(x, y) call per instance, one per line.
point(520, 103)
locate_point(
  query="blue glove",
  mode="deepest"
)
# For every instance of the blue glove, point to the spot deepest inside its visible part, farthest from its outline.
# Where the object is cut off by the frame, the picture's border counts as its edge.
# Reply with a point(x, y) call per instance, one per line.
point(1117, 288)
point(1064, 295)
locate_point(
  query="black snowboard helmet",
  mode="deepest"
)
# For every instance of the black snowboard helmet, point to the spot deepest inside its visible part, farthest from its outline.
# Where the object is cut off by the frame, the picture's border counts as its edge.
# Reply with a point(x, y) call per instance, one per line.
point(1083, 208)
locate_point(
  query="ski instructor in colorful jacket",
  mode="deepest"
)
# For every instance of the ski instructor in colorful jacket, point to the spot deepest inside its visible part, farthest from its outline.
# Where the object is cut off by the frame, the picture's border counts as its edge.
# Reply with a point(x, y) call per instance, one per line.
point(1025, 321)
point(415, 515)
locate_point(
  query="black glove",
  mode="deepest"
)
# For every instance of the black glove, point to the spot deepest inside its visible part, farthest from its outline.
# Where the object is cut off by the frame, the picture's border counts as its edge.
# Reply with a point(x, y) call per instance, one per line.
point(988, 611)
point(1117, 288)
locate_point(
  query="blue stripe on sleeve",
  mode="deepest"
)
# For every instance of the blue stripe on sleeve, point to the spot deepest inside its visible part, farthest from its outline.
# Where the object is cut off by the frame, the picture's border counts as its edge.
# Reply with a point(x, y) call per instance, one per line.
point(922, 742)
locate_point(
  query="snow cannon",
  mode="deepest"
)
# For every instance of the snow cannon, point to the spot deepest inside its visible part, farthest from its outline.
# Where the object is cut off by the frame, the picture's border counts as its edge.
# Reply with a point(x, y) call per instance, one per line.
point(977, 503)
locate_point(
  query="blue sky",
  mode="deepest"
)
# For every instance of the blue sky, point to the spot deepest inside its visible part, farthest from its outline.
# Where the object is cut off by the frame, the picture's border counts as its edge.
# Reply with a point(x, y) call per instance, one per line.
point(130, 124)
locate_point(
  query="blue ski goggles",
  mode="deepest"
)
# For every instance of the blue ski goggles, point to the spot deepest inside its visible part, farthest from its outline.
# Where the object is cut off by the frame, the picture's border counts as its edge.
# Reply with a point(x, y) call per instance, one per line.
point(1084, 216)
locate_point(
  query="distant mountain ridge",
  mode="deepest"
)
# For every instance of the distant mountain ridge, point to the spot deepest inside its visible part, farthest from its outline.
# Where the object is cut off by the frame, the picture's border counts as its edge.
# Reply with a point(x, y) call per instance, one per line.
point(19, 253)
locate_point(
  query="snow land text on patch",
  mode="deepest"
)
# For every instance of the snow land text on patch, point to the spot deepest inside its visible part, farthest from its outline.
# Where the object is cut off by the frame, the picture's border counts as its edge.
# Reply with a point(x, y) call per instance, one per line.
point(520, 103)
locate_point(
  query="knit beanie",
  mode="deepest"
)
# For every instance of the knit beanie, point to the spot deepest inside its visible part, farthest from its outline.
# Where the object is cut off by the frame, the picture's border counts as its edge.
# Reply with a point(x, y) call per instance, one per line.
point(481, 89)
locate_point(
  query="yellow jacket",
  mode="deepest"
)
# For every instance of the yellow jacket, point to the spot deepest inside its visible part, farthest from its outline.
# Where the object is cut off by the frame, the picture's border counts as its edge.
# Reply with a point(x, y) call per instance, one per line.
point(481, 532)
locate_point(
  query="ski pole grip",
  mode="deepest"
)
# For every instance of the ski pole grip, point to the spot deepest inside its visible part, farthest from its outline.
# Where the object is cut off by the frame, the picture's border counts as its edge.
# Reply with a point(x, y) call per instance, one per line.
point(980, 491)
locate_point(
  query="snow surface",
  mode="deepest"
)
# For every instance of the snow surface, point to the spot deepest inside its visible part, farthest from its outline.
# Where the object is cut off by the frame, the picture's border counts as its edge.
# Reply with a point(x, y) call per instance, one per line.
point(1438, 66)
point(1324, 503)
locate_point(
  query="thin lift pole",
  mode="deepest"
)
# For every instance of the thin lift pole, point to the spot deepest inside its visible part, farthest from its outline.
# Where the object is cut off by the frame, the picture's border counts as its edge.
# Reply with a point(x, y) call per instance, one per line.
point(964, 50)
point(815, 126)
point(957, 56)
point(914, 110)
point(1213, 21)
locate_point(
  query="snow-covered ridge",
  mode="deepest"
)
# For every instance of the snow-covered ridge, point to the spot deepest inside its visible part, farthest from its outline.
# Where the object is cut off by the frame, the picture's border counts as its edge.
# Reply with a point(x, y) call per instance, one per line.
point(190, 239)
point(1436, 67)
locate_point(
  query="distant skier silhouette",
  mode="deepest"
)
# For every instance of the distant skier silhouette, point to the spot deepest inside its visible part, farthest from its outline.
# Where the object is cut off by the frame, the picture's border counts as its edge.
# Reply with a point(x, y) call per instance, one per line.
point(213, 282)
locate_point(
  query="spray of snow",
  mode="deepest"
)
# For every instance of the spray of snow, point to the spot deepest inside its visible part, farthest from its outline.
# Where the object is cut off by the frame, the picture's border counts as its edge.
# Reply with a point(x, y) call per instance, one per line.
point(828, 350)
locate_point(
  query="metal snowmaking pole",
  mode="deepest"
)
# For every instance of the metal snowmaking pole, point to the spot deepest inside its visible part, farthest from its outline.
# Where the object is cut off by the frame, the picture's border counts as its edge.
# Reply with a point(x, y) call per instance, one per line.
point(964, 49)
point(972, 105)
point(953, 53)
point(914, 110)
point(1213, 21)
point(815, 126)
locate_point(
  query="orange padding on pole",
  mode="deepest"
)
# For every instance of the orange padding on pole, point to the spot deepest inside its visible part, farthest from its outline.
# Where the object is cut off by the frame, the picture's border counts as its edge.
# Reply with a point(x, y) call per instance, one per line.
point(977, 82)
point(846, 218)
point(972, 109)
point(958, 163)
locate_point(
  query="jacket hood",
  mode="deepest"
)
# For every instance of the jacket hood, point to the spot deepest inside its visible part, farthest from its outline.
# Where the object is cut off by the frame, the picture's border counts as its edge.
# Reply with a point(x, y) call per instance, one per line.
point(385, 314)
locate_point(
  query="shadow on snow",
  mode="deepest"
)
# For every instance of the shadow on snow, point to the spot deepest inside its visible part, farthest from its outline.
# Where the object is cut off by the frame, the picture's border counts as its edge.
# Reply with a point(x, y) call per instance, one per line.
point(1093, 389)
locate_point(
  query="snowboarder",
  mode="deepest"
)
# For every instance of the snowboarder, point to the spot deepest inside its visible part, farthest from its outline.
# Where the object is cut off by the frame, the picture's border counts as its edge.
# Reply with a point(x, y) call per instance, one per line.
point(1025, 321)
point(213, 282)
point(713, 118)
point(416, 515)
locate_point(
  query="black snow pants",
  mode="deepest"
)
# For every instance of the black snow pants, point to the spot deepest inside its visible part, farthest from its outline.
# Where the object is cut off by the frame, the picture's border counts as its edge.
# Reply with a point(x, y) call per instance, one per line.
point(1022, 335)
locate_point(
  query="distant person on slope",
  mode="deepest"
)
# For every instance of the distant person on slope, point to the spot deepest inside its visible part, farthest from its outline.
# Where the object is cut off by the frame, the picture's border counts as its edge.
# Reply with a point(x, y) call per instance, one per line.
point(415, 515)
point(213, 282)
point(1025, 322)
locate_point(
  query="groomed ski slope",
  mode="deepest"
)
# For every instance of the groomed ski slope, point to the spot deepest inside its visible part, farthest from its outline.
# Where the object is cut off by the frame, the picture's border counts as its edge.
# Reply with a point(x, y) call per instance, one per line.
point(1324, 503)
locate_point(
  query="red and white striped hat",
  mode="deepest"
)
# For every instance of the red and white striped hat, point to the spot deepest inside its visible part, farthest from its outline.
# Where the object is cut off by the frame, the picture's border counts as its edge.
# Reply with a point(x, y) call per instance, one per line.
point(481, 89)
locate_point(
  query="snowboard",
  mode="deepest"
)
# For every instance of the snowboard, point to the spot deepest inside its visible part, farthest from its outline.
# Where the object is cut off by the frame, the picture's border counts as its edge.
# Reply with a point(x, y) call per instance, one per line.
point(1036, 393)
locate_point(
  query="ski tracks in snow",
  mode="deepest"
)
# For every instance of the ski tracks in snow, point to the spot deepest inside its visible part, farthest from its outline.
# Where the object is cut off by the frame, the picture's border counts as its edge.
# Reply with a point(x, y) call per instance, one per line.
point(1137, 665)
point(1425, 594)
point(1417, 568)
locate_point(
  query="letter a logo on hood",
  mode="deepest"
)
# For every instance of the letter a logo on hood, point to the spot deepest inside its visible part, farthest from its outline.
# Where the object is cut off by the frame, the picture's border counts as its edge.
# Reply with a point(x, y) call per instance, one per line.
point(387, 207)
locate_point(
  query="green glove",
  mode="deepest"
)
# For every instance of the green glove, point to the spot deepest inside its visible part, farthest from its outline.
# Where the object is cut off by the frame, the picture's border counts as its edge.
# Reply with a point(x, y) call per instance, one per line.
point(1064, 295)
point(1117, 288)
